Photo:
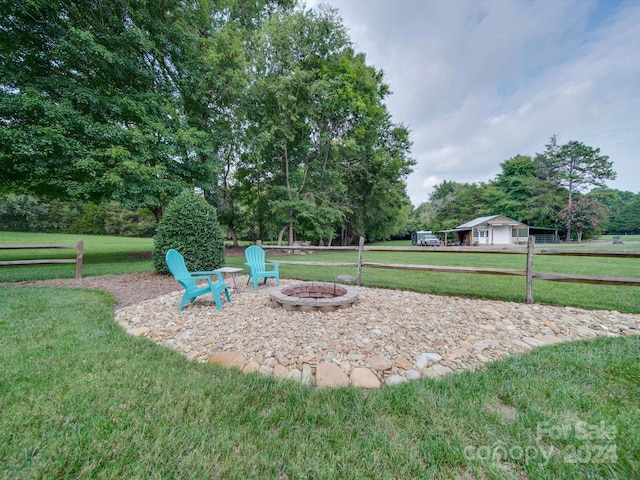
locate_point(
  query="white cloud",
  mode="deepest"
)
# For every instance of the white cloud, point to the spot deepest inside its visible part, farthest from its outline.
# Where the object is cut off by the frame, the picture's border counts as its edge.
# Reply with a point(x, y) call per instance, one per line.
point(478, 82)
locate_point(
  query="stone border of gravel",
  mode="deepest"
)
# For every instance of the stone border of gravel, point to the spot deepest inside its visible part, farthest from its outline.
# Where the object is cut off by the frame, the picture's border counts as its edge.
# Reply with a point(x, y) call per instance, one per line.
point(388, 337)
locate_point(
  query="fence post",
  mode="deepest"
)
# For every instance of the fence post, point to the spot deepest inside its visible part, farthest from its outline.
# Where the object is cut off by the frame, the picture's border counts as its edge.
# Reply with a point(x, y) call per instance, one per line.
point(360, 249)
point(530, 249)
point(79, 258)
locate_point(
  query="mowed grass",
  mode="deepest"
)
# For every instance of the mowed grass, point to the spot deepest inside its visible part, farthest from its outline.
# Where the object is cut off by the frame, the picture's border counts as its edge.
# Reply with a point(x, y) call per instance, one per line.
point(103, 255)
point(82, 399)
point(510, 288)
point(114, 255)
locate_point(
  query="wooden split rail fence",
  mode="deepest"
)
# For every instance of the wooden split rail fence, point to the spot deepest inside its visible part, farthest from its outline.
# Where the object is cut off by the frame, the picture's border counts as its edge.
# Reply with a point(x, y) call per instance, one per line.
point(529, 272)
point(79, 247)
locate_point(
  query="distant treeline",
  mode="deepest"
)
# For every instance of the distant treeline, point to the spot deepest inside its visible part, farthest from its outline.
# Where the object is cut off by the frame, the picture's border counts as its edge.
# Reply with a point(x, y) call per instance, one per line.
point(562, 188)
point(25, 213)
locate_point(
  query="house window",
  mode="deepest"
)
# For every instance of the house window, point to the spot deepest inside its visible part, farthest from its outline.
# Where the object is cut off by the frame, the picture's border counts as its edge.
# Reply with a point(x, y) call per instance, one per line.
point(519, 232)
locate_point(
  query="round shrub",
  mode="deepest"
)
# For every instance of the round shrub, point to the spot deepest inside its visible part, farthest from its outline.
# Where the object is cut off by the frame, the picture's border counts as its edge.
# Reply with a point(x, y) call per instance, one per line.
point(190, 225)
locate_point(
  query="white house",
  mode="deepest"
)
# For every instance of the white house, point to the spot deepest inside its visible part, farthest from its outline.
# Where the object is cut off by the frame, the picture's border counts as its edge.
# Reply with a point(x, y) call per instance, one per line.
point(492, 230)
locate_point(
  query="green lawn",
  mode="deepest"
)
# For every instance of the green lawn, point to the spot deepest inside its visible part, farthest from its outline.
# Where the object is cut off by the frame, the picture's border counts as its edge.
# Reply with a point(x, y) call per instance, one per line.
point(103, 255)
point(629, 242)
point(606, 297)
point(114, 255)
point(81, 399)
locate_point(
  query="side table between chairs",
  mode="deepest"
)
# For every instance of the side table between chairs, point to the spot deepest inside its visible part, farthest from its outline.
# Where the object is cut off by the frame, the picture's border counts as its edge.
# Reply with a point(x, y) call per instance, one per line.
point(233, 271)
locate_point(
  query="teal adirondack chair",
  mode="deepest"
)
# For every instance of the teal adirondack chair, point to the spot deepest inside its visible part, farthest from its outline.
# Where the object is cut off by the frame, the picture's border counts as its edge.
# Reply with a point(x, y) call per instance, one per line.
point(258, 266)
point(175, 262)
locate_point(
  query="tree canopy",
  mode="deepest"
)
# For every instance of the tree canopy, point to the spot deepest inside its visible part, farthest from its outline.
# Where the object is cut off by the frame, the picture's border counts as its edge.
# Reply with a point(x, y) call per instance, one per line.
point(264, 106)
point(93, 100)
point(574, 166)
point(322, 154)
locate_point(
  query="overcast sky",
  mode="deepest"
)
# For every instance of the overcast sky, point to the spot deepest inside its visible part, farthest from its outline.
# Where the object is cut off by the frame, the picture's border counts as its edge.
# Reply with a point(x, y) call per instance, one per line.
point(478, 82)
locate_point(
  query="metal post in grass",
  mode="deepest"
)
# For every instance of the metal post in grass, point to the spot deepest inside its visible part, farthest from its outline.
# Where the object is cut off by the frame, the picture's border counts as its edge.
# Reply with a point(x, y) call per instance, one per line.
point(530, 248)
point(360, 250)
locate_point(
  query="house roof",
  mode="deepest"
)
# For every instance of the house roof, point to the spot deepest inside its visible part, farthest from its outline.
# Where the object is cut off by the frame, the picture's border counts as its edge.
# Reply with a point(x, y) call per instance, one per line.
point(490, 220)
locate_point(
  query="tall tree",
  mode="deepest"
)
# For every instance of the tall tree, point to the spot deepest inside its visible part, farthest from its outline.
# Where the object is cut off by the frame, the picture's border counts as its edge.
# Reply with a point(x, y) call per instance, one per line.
point(317, 130)
point(421, 217)
point(456, 203)
point(511, 190)
point(374, 177)
point(284, 108)
point(585, 214)
point(575, 167)
point(523, 192)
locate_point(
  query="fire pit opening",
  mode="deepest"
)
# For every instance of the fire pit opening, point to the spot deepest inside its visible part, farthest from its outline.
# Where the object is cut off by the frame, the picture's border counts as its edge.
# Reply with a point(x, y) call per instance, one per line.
point(313, 296)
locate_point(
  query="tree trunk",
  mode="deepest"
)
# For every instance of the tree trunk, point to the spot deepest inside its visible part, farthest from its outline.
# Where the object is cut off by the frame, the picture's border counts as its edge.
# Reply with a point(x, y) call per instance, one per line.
point(570, 204)
point(281, 234)
point(290, 233)
point(157, 212)
point(234, 237)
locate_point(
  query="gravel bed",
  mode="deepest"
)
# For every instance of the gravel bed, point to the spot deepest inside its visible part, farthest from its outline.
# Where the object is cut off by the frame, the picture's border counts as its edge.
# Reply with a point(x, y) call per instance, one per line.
point(389, 336)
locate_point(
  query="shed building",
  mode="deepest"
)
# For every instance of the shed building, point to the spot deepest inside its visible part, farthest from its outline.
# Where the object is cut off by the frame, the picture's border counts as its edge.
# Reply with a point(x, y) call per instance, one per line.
point(491, 230)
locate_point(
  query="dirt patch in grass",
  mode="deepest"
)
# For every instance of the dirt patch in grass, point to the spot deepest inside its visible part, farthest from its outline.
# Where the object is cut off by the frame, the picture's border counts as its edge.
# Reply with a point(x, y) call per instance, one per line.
point(127, 289)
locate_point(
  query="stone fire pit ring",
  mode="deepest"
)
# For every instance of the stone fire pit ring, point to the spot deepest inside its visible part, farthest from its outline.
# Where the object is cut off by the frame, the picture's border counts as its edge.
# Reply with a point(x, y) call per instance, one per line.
point(313, 296)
